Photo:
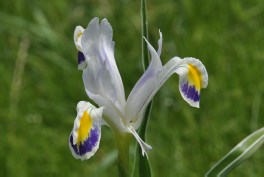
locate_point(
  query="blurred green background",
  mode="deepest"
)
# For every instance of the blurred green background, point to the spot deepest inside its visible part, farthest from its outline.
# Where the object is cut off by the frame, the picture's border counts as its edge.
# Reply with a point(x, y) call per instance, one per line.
point(40, 83)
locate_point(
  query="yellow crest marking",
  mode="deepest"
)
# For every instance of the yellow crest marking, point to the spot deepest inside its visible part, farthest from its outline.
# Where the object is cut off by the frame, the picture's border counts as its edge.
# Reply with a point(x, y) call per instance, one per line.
point(85, 127)
point(194, 76)
point(79, 34)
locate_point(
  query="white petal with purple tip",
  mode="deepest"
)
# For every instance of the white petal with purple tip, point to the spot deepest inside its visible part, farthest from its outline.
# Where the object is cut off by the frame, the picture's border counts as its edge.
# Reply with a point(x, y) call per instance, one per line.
point(156, 75)
point(86, 134)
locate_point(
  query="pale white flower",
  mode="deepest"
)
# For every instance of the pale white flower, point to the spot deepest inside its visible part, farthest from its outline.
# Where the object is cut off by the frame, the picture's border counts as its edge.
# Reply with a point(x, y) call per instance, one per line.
point(103, 85)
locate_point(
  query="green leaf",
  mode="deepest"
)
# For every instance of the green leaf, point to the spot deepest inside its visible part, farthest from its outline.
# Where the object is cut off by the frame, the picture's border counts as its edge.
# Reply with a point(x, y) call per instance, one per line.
point(144, 168)
point(241, 152)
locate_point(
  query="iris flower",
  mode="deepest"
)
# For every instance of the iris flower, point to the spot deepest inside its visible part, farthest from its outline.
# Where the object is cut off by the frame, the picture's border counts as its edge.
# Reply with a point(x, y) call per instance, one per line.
point(103, 85)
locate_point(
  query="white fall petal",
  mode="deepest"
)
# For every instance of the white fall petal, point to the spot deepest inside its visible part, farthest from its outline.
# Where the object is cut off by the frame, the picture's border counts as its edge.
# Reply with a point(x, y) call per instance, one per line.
point(103, 83)
point(85, 137)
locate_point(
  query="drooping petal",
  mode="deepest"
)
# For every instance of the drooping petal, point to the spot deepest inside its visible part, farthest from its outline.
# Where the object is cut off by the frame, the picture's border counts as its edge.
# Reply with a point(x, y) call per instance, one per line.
point(144, 146)
point(193, 77)
point(97, 45)
point(86, 134)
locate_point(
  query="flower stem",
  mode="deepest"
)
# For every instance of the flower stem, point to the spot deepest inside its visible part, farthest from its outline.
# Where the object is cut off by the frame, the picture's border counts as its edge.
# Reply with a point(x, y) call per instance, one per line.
point(142, 166)
point(145, 54)
point(123, 154)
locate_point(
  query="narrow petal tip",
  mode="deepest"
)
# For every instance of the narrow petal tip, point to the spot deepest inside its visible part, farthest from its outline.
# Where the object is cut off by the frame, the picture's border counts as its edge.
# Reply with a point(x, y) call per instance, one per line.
point(160, 43)
point(144, 146)
point(77, 36)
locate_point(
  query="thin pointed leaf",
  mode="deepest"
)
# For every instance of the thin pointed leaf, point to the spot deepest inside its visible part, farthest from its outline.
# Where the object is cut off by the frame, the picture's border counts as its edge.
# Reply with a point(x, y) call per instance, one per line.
point(241, 152)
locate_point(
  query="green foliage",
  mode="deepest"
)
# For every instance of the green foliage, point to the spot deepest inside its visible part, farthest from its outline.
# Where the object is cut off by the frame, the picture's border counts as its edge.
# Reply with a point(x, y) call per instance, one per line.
point(38, 110)
point(240, 153)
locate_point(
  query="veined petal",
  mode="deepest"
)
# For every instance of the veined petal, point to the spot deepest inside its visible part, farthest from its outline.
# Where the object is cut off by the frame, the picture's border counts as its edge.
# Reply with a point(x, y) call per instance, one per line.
point(97, 80)
point(139, 95)
point(193, 77)
point(97, 45)
point(98, 86)
point(86, 134)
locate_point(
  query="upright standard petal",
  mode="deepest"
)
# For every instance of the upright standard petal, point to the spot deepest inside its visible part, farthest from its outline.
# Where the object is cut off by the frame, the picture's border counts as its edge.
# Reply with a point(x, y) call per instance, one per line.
point(99, 87)
point(86, 134)
point(97, 45)
point(137, 97)
point(193, 77)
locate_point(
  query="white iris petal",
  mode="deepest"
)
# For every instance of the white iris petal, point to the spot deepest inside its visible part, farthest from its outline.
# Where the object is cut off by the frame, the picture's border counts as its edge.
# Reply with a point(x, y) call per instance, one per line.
point(85, 137)
point(97, 45)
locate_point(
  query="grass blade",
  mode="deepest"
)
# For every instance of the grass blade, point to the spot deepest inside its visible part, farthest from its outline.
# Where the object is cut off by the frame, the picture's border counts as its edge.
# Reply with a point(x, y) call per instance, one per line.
point(241, 152)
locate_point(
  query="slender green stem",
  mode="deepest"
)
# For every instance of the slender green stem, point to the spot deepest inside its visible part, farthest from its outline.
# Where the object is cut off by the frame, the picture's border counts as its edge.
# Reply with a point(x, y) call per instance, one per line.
point(123, 154)
point(145, 54)
point(145, 60)
point(141, 164)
